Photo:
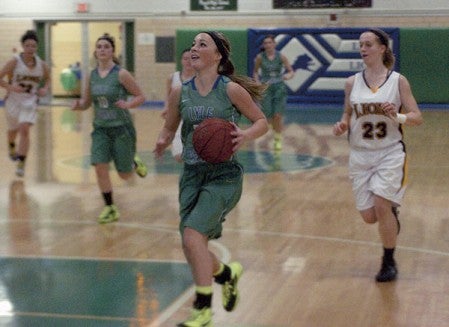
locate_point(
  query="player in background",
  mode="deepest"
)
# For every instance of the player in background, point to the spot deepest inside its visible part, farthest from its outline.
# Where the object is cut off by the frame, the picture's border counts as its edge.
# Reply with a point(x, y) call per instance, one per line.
point(114, 135)
point(273, 68)
point(378, 103)
point(208, 192)
point(28, 79)
point(176, 79)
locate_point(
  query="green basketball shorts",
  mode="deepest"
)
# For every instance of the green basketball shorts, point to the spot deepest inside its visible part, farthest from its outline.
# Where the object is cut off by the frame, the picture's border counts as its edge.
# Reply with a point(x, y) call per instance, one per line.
point(207, 193)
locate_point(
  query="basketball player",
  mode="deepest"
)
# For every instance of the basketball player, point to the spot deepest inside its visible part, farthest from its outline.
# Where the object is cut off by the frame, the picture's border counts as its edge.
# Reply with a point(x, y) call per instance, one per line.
point(208, 192)
point(176, 79)
point(274, 69)
point(378, 102)
point(114, 135)
point(30, 79)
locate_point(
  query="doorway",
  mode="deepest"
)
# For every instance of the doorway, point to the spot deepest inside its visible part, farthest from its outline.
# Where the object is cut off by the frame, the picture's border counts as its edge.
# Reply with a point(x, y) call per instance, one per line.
point(70, 47)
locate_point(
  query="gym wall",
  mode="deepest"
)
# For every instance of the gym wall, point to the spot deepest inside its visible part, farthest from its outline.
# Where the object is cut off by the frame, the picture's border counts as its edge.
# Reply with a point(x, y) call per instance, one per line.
point(151, 75)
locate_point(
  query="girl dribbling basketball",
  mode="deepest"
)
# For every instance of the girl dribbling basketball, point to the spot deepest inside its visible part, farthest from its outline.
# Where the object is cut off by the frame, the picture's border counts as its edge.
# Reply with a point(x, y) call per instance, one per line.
point(208, 192)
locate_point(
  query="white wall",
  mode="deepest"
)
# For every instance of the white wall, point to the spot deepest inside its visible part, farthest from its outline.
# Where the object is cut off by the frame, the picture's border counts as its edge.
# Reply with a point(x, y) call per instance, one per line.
point(60, 9)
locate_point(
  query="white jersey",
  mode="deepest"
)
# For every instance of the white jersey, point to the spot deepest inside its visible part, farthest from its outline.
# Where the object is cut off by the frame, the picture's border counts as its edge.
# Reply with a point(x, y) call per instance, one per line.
point(176, 149)
point(370, 128)
point(176, 79)
point(29, 78)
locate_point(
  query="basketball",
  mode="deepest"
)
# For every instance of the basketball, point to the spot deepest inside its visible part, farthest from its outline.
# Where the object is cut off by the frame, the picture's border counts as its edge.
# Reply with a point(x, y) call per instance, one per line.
point(212, 140)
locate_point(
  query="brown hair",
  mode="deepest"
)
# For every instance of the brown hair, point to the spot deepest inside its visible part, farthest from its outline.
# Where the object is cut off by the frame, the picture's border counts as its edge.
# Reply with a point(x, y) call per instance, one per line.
point(383, 39)
point(226, 67)
point(111, 40)
point(29, 35)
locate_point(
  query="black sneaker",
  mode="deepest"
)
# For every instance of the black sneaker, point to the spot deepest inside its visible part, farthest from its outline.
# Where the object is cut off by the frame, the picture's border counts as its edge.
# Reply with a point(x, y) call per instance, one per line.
point(396, 215)
point(387, 273)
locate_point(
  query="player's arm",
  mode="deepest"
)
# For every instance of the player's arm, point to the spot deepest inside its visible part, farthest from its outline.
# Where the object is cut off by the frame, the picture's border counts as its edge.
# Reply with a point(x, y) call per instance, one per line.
point(242, 100)
point(257, 63)
point(172, 121)
point(7, 71)
point(85, 101)
point(130, 84)
point(342, 126)
point(168, 83)
point(289, 72)
point(411, 110)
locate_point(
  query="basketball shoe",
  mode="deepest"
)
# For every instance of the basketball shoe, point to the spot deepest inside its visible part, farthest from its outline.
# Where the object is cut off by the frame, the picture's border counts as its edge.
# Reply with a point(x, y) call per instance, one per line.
point(230, 293)
point(277, 142)
point(388, 271)
point(140, 167)
point(12, 152)
point(20, 170)
point(198, 318)
point(109, 214)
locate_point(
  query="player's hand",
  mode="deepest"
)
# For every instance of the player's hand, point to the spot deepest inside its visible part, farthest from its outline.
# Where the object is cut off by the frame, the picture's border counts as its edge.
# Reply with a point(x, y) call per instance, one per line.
point(163, 141)
point(340, 128)
point(239, 137)
point(77, 105)
point(41, 92)
point(389, 109)
point(16, 88)
point(160, 148)
point(122, 104)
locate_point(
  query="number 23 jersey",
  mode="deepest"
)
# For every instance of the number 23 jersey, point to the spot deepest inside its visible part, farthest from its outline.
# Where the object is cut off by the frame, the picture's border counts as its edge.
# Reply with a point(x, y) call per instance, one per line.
point(370, 128)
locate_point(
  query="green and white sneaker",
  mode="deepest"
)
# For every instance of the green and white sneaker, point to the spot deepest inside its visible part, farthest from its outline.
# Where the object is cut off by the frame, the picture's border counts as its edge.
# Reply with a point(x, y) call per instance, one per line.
point(277, 144)
point(12, 152)
point(230, 293)
point(20, 170)
point(109, 214)
point(140, 167)
point(198, 318)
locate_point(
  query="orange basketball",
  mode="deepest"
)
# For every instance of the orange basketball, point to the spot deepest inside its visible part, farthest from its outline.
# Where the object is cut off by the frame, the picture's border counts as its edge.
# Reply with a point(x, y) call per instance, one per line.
point(212, 140)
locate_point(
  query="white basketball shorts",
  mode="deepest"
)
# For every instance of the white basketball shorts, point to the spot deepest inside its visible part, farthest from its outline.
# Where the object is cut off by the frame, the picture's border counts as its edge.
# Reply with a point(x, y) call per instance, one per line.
point(379, 172)
point(20, 111)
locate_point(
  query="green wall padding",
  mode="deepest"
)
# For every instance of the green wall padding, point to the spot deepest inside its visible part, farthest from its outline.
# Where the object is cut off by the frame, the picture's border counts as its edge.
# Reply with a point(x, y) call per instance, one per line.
point(238, 39)
point(129, 32)
point(424, 61)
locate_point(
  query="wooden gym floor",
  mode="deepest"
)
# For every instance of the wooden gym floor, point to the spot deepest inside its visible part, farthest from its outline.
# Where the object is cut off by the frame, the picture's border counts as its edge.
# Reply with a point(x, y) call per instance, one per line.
point(309, 260)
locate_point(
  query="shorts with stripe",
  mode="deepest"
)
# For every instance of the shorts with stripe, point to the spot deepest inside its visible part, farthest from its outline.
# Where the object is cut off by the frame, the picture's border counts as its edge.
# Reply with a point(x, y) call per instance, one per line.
point(274, 100)
point(19, 111)
point(378, 172)
point(207, 193)
point(117, 144)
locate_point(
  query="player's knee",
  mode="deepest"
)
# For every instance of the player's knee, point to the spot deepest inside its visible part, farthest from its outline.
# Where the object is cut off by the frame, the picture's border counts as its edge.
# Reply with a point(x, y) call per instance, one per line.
point(125, 176)
point(369, 216)
point(191, 239)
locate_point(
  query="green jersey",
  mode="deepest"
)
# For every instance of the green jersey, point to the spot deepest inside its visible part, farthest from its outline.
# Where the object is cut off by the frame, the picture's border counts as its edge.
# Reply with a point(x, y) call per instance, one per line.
point(194, 108)
point(271, 70)
point(105, 92)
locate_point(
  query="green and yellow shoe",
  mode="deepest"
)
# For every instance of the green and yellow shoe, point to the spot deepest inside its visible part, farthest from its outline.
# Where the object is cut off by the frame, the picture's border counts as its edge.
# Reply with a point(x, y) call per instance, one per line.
point(230, 293)
point(12, 152)
point(109, 214)
point(140, 167)
point(198, 318)
point(20, 170)
point(278, 144)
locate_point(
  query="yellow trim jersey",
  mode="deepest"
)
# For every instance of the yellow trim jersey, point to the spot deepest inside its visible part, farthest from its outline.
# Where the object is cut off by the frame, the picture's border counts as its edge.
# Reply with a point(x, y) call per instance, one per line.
point(370, 128)
point(28, 78)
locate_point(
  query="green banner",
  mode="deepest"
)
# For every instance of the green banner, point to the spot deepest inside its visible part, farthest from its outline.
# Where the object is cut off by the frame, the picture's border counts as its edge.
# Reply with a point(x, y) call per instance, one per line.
point(213, 5)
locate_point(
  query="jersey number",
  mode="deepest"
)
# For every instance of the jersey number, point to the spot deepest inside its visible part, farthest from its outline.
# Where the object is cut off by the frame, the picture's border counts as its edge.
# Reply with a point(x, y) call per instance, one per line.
point(27, 87)
point(371, 131)
point(103, 102)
